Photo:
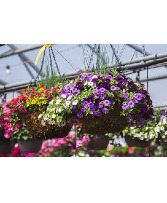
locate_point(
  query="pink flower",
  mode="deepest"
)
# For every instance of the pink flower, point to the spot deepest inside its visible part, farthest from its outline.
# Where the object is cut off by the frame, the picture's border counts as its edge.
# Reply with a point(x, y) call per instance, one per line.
point(47, 91)
point(6, 135)
point(73, 151)
point(19, 125)
point(131, 150)
point(85, 139)
point(78, 143)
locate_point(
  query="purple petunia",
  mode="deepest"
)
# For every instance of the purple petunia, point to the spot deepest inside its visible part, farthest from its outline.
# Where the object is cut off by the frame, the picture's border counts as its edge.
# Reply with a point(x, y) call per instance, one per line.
point(80, 115)
point(96, 113)
point(100, 105)
point(131, 104)
point(137, 96)
point(105, 110)
point(113, 88)
point(83, 110)
point(107, 103)
point(126, 95)
point(125, 106)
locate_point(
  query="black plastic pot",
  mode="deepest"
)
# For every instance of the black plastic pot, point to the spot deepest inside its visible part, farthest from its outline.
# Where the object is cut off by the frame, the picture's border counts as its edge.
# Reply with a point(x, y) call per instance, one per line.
point(6, 147)
point(27, 146)
point(135, 142)
point(98, 142)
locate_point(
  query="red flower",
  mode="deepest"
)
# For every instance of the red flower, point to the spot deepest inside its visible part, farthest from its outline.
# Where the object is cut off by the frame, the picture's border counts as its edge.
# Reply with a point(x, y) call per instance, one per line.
point(55, 88)
point(131, 150)
point(50, 98)
point(42, 86)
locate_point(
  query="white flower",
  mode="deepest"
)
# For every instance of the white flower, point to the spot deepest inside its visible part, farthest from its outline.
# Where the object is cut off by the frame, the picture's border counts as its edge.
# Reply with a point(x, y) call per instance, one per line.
point(40, 116)
point(90, 84)
point(67, 104)
point(53, 116)
point(63, 96)
point(165, 132)
point(45, 117)
point(43, 123)
point(58, 110)
point(69, 98)
point(51, 102)
point(85, 83)
point(58, 101)
point(95, 76)
point(75, 102)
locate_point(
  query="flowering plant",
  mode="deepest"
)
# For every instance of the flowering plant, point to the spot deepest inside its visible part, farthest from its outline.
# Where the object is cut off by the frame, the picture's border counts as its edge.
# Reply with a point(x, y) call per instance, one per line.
point(162, 138)
point(24, 111)
point(5, 125)
point(153, 130)
point(112, 97)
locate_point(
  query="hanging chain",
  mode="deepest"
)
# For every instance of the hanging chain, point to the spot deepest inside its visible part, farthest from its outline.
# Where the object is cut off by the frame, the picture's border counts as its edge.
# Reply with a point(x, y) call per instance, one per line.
point(56, 62)
point(50, 57)
point(43, 58)
point(91, 57)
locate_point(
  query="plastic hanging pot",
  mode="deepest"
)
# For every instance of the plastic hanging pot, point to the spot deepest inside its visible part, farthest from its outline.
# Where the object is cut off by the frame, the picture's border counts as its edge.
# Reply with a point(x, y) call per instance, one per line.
point(59, 132)
point(98, 142)
point(27, 146)
point(107, 123)
point(135, 142)
point(6, 147)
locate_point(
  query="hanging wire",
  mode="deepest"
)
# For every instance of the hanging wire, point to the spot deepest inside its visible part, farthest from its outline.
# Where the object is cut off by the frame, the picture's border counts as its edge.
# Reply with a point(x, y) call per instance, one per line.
point(116, 57)
point(64, 58)
point(85, 54)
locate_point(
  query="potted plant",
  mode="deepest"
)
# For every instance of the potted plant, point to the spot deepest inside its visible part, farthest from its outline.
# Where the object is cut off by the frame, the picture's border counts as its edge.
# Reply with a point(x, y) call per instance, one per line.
point(144, 135)
point(5, 129)
point(25, 109)
point(107, 102)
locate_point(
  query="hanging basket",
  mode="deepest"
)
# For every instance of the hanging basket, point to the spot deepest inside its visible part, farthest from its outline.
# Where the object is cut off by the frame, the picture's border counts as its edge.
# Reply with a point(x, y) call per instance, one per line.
point(38, 131)
point(6, 147)
point(107, 123)
point(98, 142)
point(27, 146)
point(59, 132)
point(135, 142)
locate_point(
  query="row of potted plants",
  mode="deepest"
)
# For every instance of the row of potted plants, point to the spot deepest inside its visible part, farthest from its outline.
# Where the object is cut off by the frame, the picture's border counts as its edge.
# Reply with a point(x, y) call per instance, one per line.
point(102, 102)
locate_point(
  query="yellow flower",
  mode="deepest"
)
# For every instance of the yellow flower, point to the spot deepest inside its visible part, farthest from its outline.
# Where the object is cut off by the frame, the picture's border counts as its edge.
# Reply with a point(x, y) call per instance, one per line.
point(41, 89)
point(33, 101)
point(27, 104)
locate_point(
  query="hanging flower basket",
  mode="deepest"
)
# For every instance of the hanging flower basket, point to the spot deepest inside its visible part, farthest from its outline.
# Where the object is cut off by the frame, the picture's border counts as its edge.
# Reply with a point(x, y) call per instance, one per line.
point(25, 111)
point(135, 142)
point(107, 103)
point(6, 147)
point(98, 142)
point(27, 146)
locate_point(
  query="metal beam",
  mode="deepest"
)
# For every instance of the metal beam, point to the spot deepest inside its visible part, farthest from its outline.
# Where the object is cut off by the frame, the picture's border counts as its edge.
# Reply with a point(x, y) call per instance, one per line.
point(160, 77)
point(20, 51)
point(3, 82)
point(21, 56)
point(138, 49)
